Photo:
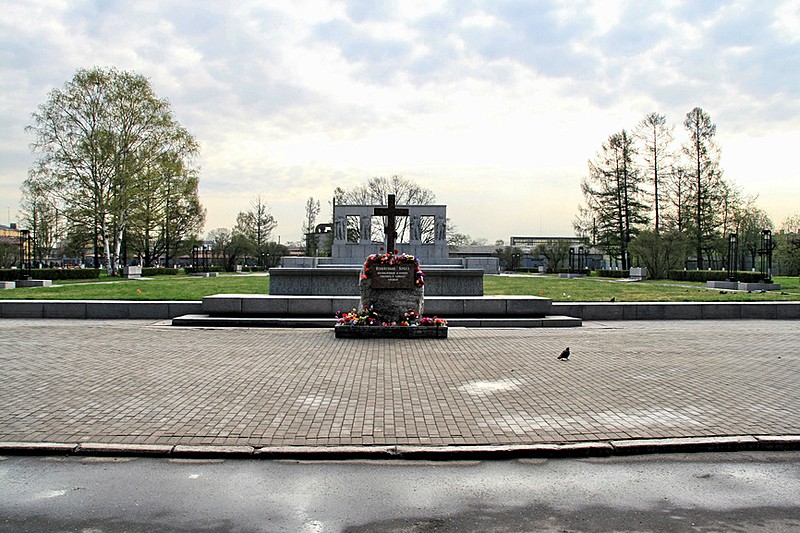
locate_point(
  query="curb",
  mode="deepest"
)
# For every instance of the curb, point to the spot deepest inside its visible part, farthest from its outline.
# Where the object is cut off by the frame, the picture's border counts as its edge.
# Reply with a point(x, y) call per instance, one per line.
point(734, 443)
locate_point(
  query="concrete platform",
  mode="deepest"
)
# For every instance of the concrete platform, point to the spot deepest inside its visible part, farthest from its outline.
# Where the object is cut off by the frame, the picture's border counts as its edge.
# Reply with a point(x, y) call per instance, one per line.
point(743, 286)
point(343, 281)
point(266, 310)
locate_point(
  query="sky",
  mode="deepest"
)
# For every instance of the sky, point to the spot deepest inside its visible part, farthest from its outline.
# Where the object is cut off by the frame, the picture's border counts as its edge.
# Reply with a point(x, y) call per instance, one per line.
point(495, 106)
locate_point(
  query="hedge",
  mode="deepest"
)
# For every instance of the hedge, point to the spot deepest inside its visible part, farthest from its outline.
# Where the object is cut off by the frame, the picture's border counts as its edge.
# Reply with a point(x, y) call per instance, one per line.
point(192, 270)
point(614, 273)
point(154, 271)
point(574, 271)
point(703, 276)
point(10, 274)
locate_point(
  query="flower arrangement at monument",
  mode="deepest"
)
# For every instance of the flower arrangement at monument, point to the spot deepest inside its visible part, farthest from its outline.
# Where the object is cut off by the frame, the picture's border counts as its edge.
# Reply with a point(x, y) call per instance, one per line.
point(391, 286)
point(391, 259)
point(370, 318)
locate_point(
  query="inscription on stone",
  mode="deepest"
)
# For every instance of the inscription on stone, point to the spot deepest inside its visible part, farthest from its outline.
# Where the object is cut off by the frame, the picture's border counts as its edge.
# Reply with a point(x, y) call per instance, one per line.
point(392, 276)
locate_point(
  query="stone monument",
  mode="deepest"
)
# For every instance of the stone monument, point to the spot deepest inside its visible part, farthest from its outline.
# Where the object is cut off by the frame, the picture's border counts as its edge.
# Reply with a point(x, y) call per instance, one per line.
point(392, 290)
point(424, 236)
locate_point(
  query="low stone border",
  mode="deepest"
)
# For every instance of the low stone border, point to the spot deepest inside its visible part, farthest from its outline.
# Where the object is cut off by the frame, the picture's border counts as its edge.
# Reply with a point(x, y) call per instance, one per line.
point(348, 331)
point(678, 310)
point(97, 309)
point(327, 307)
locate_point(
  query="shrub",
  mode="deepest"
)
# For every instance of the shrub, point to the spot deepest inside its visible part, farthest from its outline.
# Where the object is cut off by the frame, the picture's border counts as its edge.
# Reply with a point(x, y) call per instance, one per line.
point(192, 270)
point(8, 274)
point(703, 276)
point(613, 273)
point(150, 272)
point(585, 271)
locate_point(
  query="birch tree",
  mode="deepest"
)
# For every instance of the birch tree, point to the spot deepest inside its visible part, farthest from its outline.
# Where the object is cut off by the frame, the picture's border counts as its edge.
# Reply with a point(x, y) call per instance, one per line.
point(96, 140)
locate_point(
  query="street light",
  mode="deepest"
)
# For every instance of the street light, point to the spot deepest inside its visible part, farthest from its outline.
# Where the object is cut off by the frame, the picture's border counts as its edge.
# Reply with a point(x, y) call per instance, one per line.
point(23, 244)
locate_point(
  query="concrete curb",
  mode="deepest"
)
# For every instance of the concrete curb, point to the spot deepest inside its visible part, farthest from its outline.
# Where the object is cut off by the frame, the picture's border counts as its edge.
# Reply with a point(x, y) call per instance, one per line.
point(728, 443)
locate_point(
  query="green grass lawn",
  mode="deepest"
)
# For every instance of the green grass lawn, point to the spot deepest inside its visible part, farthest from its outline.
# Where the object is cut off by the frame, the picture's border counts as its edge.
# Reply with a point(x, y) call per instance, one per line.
point(594, 289)
point(157, 288)
point(560, 290)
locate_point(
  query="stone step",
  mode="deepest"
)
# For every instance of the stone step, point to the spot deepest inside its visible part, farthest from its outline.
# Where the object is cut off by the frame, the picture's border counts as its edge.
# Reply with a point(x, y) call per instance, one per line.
point(313, 306)
point(209, 321)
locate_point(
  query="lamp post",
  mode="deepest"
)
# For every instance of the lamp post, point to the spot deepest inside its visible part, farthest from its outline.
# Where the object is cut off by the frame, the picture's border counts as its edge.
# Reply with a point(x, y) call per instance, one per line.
point(733, 255)
point(24, 243)
point(766, 254)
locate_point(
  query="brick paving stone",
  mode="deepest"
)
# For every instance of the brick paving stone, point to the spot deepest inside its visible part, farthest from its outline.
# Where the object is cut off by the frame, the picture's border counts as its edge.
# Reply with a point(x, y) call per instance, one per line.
point(139, 382)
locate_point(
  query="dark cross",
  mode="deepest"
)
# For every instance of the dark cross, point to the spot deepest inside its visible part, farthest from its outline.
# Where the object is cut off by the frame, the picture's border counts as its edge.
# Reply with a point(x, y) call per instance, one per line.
point(389, 229)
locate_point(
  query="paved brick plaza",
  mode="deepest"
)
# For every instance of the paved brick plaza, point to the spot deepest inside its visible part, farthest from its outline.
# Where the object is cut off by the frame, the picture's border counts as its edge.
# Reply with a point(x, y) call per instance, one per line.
point(145, 383)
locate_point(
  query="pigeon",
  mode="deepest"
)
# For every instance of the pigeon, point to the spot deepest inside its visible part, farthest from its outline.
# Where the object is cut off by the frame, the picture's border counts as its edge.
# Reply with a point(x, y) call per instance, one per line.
point(565, 354)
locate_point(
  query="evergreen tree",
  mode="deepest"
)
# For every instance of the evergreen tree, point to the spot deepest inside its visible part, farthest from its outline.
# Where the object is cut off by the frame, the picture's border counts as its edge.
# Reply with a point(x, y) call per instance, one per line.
point(703, 154)
point(613, 191)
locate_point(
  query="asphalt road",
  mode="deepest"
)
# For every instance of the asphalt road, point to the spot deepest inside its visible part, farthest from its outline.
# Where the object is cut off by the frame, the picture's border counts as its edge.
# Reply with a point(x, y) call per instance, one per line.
point(751, 492)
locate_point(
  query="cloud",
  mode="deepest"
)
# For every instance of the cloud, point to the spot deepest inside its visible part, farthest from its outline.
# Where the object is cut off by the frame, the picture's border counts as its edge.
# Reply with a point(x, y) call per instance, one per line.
point(493, 102)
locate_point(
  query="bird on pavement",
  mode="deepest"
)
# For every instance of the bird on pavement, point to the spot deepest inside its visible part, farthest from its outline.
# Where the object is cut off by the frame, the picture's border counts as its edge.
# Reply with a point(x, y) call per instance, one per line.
point(565, 354)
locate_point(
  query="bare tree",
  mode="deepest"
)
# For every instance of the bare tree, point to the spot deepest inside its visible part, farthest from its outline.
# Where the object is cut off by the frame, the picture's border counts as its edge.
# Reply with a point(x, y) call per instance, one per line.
point(677, 194)
point(376, 191)
point(40, 215)
point(255, 226)
point(656, 136)
point(309, 225)
point(555, 253)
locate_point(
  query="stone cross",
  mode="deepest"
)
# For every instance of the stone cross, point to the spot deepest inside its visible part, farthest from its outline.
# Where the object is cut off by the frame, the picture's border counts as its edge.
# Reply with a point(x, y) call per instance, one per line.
point(390, 229)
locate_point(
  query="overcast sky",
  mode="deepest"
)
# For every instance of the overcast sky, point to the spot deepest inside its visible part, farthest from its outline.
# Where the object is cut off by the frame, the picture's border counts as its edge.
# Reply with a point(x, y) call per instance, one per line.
point(495, 106)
